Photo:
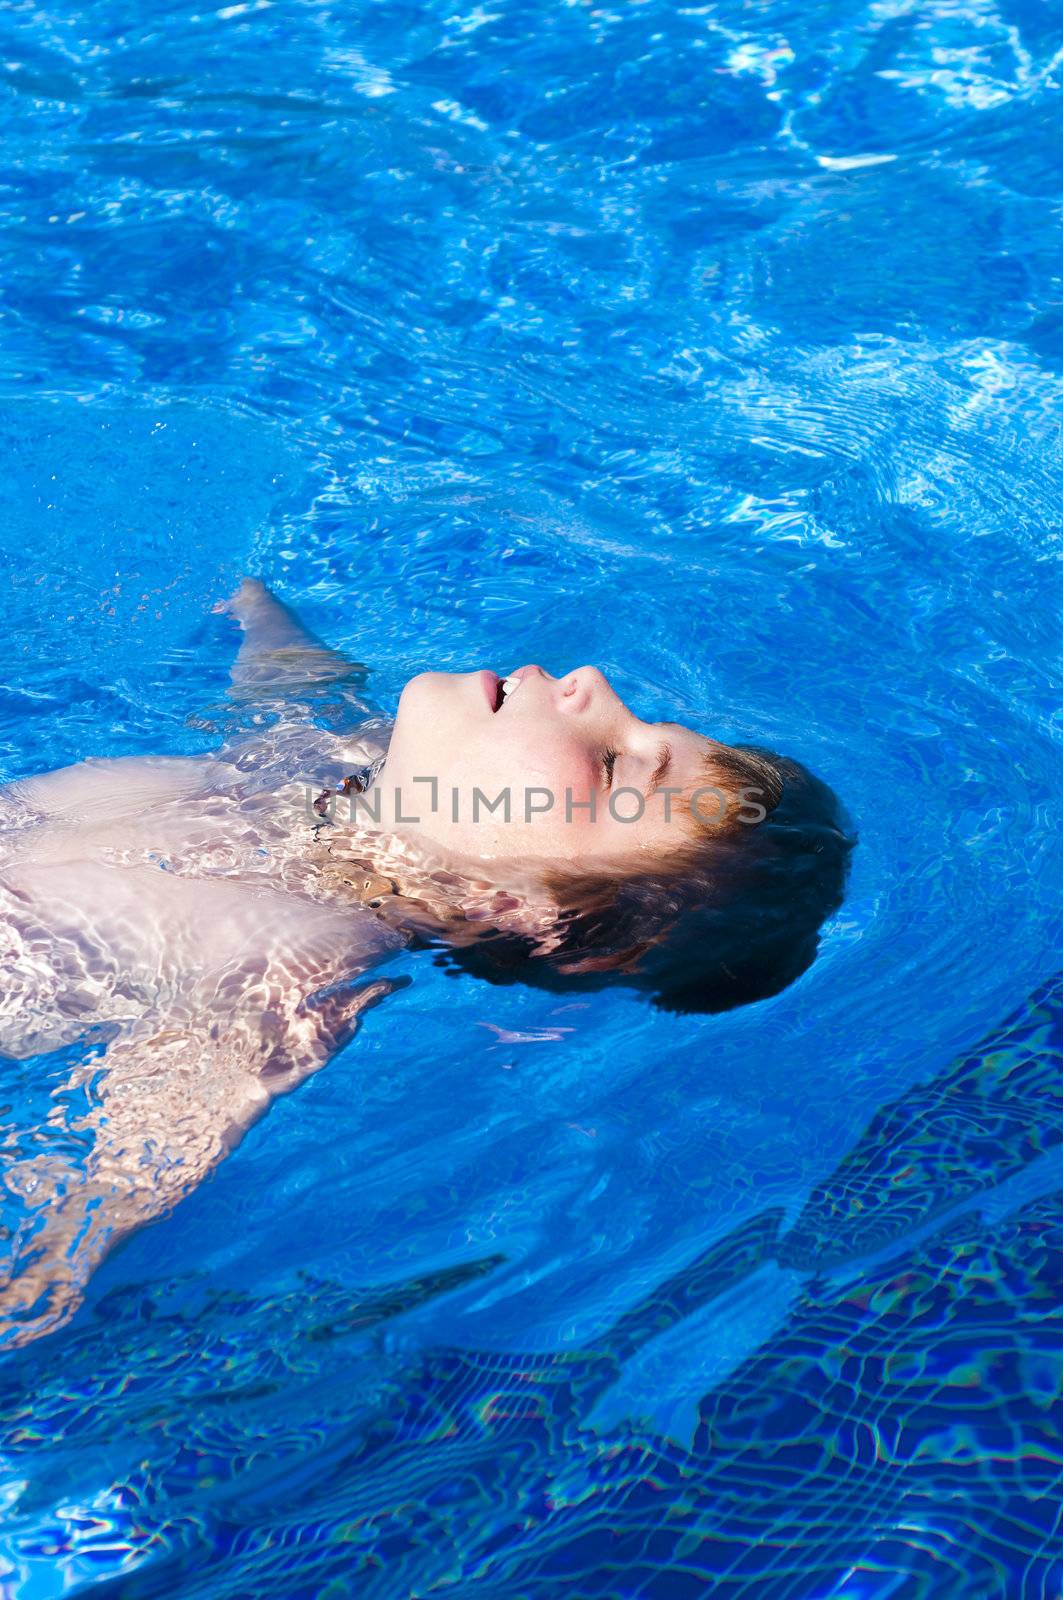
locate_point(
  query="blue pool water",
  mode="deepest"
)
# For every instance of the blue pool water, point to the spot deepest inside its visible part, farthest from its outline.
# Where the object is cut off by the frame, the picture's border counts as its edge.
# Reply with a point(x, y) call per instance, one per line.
point(718, 344)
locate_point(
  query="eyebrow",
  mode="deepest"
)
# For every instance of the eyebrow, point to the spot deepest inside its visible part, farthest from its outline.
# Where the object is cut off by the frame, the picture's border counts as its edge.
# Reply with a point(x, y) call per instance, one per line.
point(664, 757)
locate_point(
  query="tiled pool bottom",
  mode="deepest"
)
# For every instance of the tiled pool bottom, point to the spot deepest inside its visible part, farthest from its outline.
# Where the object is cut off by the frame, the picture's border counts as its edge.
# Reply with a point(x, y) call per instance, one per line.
point(896, 1434)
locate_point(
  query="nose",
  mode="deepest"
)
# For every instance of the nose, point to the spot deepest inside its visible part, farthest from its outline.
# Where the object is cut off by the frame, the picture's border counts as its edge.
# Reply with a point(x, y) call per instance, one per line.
point(585, 688)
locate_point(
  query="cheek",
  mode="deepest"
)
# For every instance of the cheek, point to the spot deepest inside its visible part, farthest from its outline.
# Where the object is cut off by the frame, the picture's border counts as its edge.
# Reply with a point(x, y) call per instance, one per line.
point(581, 779)
point(562, 767)
point(519, 755)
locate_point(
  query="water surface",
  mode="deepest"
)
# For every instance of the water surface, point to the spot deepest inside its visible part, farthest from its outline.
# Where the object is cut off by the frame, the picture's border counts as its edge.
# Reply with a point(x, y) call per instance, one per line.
point(719, 345)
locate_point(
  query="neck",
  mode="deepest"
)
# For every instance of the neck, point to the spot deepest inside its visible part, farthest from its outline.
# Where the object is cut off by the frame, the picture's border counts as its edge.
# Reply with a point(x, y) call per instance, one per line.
point(415, 886)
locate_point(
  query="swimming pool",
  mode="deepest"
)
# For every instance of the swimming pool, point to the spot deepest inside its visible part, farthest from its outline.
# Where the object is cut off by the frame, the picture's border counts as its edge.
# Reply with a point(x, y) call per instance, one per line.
point(720, 345)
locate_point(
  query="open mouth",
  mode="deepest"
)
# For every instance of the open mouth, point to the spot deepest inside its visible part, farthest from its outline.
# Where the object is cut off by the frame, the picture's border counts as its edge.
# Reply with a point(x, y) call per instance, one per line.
point(499, 690)
point(506, 687)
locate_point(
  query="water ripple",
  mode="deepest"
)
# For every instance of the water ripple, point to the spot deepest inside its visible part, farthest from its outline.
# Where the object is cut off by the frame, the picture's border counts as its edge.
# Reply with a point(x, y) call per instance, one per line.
point(717, 343)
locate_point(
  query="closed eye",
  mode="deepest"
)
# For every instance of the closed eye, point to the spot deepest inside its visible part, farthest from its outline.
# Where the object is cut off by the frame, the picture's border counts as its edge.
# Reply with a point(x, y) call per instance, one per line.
point(664, 761)
point(608, 763)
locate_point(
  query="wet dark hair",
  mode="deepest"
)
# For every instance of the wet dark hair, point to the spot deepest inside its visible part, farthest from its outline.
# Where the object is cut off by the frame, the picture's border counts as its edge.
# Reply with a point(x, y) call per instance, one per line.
point(731, 917)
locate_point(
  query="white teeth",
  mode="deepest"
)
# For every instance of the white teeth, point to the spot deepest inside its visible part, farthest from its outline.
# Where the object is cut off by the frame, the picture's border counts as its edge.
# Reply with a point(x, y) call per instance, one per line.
point(508, 686)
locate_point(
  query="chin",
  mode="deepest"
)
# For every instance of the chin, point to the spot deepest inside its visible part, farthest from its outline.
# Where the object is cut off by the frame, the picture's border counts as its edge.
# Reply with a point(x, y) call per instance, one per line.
point(423, 703)
point(417, 688)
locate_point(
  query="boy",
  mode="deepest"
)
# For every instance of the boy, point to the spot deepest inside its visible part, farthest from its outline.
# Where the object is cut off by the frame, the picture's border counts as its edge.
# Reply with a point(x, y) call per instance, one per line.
point(214, 930)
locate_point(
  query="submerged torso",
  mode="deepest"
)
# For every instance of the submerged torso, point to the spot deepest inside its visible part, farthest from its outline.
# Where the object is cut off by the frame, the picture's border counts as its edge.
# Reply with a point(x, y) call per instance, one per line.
point(172, 889)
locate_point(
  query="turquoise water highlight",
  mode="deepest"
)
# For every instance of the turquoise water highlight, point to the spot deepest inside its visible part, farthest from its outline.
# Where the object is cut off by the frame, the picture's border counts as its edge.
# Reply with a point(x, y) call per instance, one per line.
point(719, 346)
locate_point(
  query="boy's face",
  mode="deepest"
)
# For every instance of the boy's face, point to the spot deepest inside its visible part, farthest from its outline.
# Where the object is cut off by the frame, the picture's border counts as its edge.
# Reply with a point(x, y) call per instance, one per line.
point(582, 774)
